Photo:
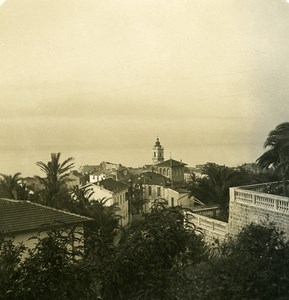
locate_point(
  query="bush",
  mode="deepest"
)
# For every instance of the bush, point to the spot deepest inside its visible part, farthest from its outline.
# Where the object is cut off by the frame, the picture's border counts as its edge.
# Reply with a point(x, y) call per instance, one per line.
point(254, 265)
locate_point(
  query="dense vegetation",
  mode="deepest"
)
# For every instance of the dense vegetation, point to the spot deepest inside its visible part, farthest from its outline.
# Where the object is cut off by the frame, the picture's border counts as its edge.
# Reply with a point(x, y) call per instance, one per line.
point(156, 259)
point(141, 266)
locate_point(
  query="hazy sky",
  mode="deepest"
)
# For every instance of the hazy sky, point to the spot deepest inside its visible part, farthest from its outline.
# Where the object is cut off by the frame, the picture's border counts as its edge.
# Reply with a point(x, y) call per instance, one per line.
point(99, 80)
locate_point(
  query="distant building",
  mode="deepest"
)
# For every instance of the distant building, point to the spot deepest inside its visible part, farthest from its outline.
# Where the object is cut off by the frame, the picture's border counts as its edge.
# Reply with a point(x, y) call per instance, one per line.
point(32, 183)
point(108, 166)
point(87, 169)
point(75, 179)
point(23, 220)
point(172, 169)
point(96, 176)
point(158, 152)
point(157, 186)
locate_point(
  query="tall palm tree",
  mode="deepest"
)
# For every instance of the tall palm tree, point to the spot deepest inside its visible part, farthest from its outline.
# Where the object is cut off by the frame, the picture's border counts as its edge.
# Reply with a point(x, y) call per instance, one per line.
point(277, 155)
point(11, 186)
point(55, 190)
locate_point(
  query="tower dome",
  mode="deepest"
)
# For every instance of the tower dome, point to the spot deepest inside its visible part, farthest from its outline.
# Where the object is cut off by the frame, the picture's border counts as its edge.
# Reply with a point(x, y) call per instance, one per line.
point(158, 152)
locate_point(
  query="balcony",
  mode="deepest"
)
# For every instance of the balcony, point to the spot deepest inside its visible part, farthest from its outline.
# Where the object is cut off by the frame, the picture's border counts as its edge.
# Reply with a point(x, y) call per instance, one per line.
point(260, 195)
point(259, 204)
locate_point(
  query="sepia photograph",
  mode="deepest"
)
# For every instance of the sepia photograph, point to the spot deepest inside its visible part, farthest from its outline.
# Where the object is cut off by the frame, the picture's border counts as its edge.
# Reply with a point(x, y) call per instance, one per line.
point(144, 149)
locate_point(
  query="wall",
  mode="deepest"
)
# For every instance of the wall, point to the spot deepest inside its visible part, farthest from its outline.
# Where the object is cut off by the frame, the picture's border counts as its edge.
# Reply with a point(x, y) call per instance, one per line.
point(122, 203)
point(28, 241)
point(254, 207)
point(214, 231)
point(101, 193)
point(173, 197)
point(96, 177)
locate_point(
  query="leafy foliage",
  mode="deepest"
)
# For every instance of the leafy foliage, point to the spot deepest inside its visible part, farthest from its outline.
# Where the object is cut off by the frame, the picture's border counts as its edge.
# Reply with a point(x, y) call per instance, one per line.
point(149, 254)
point(55, 268)
point(10, 267)
point(12, 187)
point(254, 265)
point(277, 155)
point(213, 186)
point(135, 197)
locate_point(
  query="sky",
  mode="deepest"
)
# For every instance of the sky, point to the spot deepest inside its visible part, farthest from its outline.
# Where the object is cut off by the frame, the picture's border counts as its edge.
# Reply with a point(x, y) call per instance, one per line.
point(100, 80)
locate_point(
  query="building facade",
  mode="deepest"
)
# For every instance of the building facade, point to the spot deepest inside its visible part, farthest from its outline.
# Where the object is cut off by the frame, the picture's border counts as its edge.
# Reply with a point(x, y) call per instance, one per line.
point(172, 169)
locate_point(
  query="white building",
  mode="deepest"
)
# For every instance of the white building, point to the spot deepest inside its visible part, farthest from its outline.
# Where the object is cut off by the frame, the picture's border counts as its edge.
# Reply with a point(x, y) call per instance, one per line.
point(114, 192)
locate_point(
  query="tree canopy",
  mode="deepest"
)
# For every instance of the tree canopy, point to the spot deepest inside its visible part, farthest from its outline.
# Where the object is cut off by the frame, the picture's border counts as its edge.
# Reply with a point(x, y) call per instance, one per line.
point(277, 154)
point(55, 191)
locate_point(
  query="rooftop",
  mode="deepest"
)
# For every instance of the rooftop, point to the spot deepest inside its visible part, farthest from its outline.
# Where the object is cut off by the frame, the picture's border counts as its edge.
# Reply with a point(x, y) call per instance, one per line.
point(20, 216)
point(112, 185)
point(154, 178)
point(171, 163)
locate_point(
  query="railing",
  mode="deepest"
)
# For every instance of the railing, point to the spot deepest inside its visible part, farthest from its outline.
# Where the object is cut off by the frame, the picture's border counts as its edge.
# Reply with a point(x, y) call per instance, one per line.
point(250, 196)
point(208, 224)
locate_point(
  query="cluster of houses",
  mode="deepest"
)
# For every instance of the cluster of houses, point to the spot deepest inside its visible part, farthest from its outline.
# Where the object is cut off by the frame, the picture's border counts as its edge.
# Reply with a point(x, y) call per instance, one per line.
point(163, 179)
point(115, 183)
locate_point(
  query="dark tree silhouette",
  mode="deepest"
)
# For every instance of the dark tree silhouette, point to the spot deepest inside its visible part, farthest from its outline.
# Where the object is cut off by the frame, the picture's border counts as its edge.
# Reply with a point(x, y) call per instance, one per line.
point(277, 155)
point(55, 192)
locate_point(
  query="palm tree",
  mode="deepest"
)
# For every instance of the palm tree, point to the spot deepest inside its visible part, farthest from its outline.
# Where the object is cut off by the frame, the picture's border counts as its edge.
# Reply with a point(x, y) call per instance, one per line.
point(55, 189)
point(80, 198)
point(277, 156)
point(213, 186)
point(11, 187)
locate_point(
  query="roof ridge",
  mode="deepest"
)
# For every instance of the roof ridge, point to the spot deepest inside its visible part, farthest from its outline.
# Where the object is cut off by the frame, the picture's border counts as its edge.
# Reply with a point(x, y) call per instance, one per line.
point(10, 200)
point(48, 207)
point(59, 210)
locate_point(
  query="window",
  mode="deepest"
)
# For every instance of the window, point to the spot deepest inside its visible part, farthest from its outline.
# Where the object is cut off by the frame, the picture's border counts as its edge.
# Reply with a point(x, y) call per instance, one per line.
point(173, 202)
point(150, 190)
point(158, 191)
point(155, 154)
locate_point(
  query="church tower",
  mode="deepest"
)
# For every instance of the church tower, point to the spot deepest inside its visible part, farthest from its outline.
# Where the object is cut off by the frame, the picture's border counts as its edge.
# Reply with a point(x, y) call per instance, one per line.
point(158, 152)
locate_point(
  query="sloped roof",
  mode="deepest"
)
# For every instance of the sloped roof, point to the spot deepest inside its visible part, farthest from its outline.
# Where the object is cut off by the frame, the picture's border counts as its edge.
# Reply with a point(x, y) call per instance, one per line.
point(19, 216)
point(181, 190)
point(112, 185)
point(170, 163)
point(154, 178)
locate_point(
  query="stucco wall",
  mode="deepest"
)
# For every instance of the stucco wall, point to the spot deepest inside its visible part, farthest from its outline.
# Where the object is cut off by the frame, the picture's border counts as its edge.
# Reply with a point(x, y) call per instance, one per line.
point(122, 203)
point(249, 206)
point(214, 231)
point(242, 214)
point(29, 242)
point(101, 193)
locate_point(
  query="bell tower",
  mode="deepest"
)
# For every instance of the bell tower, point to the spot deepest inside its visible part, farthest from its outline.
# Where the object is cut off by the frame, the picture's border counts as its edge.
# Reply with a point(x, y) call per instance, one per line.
point(158, 152)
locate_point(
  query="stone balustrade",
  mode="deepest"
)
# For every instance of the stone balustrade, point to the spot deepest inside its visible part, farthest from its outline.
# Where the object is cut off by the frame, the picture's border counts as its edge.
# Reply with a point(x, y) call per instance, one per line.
point(212, 228)
point(256, 204)
point(251, 195)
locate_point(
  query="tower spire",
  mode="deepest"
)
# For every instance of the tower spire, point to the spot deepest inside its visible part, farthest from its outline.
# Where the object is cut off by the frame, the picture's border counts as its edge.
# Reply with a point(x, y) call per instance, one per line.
point(158, 152)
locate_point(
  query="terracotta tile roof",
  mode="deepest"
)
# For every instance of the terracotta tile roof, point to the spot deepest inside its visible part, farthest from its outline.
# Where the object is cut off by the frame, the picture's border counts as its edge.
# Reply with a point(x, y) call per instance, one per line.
point(112, 185)
point(170, 163)
point(154, 178)
point(19, 215)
